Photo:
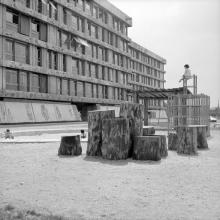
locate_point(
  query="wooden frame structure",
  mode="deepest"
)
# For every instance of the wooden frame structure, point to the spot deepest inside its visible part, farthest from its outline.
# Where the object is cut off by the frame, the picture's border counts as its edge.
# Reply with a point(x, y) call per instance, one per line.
point(187, 109)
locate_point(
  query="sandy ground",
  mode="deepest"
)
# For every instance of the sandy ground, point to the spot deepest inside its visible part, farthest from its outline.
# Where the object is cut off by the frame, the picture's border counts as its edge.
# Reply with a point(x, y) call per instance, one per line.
point(32, 176)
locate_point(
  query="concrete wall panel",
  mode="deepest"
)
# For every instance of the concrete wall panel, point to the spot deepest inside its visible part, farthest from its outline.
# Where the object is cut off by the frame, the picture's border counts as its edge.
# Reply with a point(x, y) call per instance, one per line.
point(18, 112)
point(15, 112)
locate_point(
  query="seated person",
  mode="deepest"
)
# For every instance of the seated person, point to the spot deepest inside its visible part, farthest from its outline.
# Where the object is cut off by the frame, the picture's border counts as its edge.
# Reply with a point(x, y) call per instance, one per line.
point(187, 74)
point(8, 134)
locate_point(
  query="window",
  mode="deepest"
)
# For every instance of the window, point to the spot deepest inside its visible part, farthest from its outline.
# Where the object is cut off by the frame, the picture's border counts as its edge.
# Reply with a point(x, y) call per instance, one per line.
point(52, 10)
point(64, 63)
point(74, 66)
point(103, 73)
point(74, 20)
point(87, 5)
point(39, 56)
point(12, 16)
point(100, 14)
point(55, 63)
point(93, 30)
point(21, 53)
point(34, 83)
point(105, 17)
point(65, 87)
point(64, 16)
point(27, 3)
point(95, 11)
point(11, 79)
point(80, 67)
point(16, 51)
point(23, 81)
point(50, 59)
point(42, 83)
point(39, 30)
point(80, 3)
point(24, 27)
point(59, 86)
point(40, 6)
point(64, 40)
point(9, 50)
point(80, 24)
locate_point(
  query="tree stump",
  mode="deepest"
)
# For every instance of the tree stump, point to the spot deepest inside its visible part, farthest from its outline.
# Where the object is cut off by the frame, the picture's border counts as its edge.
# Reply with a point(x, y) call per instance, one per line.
point(133, 112)
point(187, 140)
point(115, 139)
point(70, 146)
point(148, 130)
point(172, 141)
point(163, 145)
point(95, 119)
point(202, 137)
point(147, 148)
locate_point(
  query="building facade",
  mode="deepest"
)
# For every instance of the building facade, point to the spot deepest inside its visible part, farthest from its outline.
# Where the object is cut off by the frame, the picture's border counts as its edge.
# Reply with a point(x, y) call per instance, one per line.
point(71, 51)
point(147, 71)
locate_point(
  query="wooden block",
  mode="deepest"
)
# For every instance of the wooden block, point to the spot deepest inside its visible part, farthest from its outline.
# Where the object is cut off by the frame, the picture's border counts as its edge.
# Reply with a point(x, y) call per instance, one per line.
point(133, 112)
point(115, 138)
point(172, 141)
point(147, 148)
point(70, 146)
point(148, 130)
point(95, 130)
point(187, 140)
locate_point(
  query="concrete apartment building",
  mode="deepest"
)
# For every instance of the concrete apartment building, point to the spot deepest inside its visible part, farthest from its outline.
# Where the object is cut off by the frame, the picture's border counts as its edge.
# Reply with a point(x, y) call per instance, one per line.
point(57, 55)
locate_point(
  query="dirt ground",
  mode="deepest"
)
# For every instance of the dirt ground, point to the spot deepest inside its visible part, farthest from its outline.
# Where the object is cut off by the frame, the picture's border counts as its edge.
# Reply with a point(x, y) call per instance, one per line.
point(33, 177)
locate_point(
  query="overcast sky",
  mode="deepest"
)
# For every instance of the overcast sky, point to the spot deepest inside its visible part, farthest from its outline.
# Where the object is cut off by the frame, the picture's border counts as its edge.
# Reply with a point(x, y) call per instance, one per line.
point(183, 32)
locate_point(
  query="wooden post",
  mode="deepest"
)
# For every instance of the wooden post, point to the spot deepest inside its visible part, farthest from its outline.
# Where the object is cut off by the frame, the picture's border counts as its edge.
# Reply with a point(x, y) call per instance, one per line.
point(95, 130)
point(115, 138)
point(146, 106)
point(70, 146)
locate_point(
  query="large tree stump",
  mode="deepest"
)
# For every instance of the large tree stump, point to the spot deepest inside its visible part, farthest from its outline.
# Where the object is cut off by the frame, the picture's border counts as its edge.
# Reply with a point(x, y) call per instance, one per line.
point(147, 148)
point(172, 141)
point(202, 137)
point(95, 119)
point(70, 146)
point(148, 130)
point(133, 112)
point(115, 138)
point(187, 140)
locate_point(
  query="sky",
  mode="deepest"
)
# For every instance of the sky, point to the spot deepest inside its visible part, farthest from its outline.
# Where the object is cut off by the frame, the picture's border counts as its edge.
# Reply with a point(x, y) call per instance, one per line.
point(182, 32)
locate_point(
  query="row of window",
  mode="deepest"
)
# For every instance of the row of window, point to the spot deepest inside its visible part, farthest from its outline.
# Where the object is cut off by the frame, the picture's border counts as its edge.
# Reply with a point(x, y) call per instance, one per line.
point(24, 81)
point(136, 66)
point(99, 72)
point(145, 58)
point(39, 30)
point(50, 8)
point(147, 81)
point(19, 52)
point(18, 80)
